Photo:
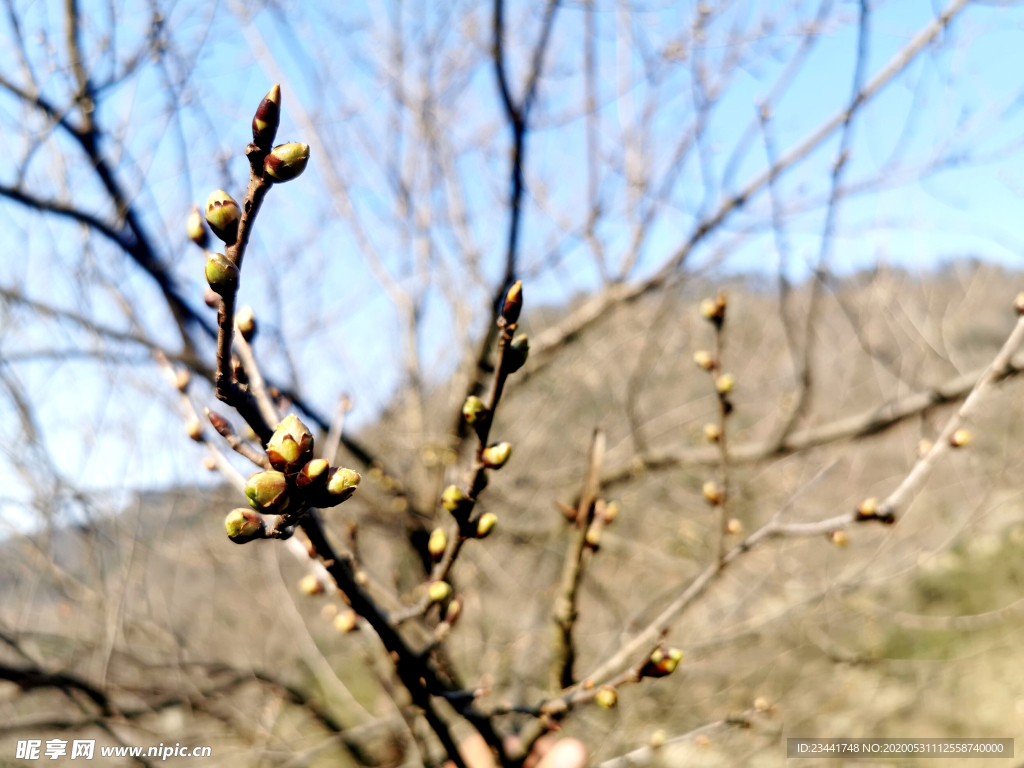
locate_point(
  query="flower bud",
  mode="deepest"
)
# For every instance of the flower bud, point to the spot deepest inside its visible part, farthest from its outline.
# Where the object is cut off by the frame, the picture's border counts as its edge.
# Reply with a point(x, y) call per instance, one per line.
point(725, 383)
point(713, 310)
point(712, 433)
point(182, 379)
point(209, 463)
point(704, 359)
point(454, 609)
point(343, 482)
point(496, 455)
point(1018, 303)
point(712, 493)
point(839, 538)
point(606, 697)
point(437, 543)
point(593, 536)
point(513, 303)
point(453, 499)
point(194, 430)
point(310, 585)
point(517, 353)
point(286, 161)
point(313, 471)
point(923, 447)
point(662, 662)
point(346, 621)
point(243, 525)
point(486, 524)
point(267, 491)
point(734, 527)
point(761, 704)
point(439, 591)
point(657, 740)
point(245, 319)
point(195, 228)
point(221, 274)
point(267, 119)
point(291, 445)
point(960, 438)
point(223, 215)
point(473, 410)
point(868, 508)
point(610, 511)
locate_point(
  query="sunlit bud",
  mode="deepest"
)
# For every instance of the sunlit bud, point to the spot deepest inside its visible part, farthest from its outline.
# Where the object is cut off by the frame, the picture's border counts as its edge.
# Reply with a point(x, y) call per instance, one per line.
point(704, 359)
point(291, 445)
point(286, 161)
point(221, 274)
point(662, 662)
point(712, 493)
point(923, 447)
point(209, 463)
point(439, 591)
point(194, 430)
point(593, 536)
point(486, 524)
point(734, 527)
point(243, 525)
point(839, 538)
point(267, 118)
point(868, 508)
point(310, 585)
point(1018, 303)
point(473, 409)
point(182, 379)
point(245, 319)
point(195, 227)
point(453, 499)
point(517, 353)
point(725, 383)
point(496, 455)
point(657, 740)
point(712, 433)
point(454, 609)
point(610, 511)
point(513, 303)
point(761, 704)
point(346, 621)
point(313, 471)
point(702, 740)
point(361, 578)
point(588, 684)
point(223, 215)
point(713, 310)
point(437, 543)
point(211, 298)
point(267, 491)
point(606, 697)
point(343, 482)
point(960, 438)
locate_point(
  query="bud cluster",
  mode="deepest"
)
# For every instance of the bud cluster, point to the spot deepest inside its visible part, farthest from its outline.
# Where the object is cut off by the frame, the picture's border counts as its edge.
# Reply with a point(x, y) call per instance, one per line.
point(662, 662)
point(605, 513)
point(870, 509)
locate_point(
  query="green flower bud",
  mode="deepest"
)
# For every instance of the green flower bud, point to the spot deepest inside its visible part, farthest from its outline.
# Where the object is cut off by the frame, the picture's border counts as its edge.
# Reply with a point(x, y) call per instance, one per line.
point(438, 542)
point(267, 491)
point(496, 455)
point(513, 303)
point(314, 471)
point(473, 410)
point(453, 499)
point(291, 445)
point(517, 352)
point(486, 524)
point(267, 118)
point(243, 525)
point(341, 485)
point(725, 383)
point(662, 662)
point(221, 274)
point(439, 591)
point(195, 228)
point(606, 697)
point(245, 319)
point(223, 215)
point(286, 161)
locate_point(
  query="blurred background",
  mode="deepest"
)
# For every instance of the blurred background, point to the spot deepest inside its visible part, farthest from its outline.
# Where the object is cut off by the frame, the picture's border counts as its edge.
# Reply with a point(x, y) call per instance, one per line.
point(847, 173)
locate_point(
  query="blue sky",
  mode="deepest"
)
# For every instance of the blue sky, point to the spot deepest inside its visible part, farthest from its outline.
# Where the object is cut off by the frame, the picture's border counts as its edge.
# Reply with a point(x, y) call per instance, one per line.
point(324, 313)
